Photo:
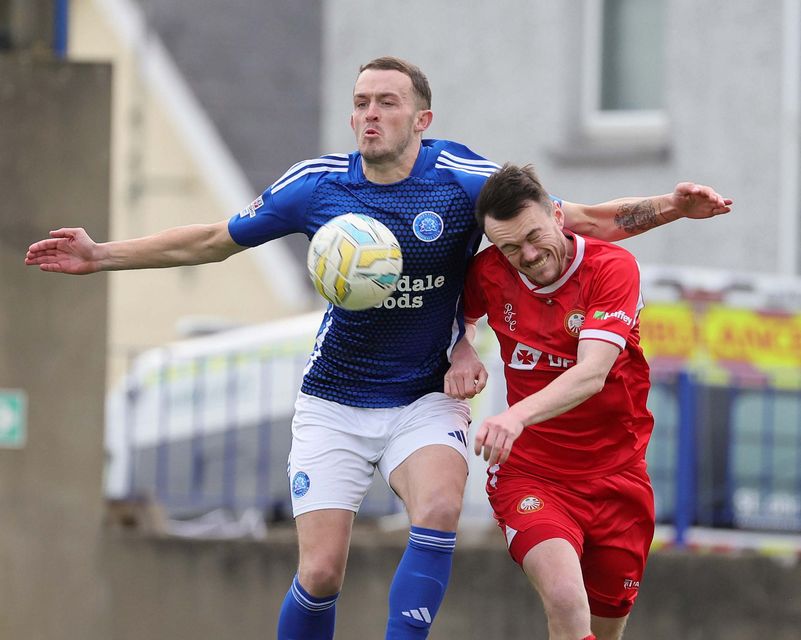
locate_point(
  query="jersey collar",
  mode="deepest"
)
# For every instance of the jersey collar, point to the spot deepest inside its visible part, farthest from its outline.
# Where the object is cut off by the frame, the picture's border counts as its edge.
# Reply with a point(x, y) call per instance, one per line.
point(418, 168)
point(571, 269)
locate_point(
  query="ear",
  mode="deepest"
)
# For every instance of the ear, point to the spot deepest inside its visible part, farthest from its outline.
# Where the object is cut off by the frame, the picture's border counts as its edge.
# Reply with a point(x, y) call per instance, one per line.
point(558, 214)
point(352, 123)
point(424, 118)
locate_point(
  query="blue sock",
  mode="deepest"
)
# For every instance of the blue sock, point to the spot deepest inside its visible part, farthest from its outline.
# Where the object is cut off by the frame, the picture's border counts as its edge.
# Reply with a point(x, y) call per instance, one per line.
point(305, 617)
point(420, 582)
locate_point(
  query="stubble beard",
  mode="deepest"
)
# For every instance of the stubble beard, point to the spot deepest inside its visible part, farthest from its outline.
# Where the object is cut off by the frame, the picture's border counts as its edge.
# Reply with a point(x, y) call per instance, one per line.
point(387, 156)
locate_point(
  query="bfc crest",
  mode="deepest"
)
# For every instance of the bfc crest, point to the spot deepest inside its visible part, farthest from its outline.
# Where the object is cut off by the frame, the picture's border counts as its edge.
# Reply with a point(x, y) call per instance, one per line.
point(428, 226)
point(300, 484)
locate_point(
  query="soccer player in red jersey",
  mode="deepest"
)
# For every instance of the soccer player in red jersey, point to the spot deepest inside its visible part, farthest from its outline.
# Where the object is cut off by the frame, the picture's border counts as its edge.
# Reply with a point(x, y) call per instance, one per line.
point(572, 495)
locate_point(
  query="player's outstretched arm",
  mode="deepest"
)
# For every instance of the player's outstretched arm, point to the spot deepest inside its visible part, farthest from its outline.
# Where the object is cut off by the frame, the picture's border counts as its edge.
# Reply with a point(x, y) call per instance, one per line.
point(467, 375)
point(71, 250)
point(626, 217)
point(594, 360)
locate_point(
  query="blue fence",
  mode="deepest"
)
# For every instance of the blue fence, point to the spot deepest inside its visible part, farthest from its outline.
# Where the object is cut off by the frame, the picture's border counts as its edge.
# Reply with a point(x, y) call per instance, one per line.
point(725, 456)
point(213, 431)
point(60, 27)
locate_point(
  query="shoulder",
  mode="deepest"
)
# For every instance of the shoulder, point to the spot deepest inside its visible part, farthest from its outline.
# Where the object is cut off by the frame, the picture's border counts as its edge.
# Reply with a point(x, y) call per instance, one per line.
point(488, 260)
point(456, 157)
point(311, 172)
point(610, 259)
point(601, 251)
point(453, 162)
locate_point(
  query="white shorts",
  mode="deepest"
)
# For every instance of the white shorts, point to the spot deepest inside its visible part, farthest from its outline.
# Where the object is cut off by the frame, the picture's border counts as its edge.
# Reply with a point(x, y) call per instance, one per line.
point(336, 448)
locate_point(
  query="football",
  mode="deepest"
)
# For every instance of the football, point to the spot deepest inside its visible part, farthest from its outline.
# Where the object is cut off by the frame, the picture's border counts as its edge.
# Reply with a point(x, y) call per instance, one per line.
point(354, 261)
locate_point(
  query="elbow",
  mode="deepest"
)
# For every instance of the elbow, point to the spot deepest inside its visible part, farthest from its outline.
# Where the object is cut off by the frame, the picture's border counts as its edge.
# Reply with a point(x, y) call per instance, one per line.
point(595, 384)
point(218, 244)
point(218, 257)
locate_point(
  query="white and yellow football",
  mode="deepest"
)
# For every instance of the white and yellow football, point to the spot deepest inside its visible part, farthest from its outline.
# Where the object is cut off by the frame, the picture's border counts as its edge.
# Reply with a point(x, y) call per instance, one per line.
point(354, 261)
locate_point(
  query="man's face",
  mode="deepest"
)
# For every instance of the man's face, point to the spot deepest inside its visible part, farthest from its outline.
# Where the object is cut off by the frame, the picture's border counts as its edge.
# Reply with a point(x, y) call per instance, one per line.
point(533, 242)
point(385, 114)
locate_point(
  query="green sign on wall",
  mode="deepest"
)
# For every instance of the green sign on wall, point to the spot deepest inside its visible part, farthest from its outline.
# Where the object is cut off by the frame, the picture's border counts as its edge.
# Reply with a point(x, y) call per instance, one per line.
point(13, 418)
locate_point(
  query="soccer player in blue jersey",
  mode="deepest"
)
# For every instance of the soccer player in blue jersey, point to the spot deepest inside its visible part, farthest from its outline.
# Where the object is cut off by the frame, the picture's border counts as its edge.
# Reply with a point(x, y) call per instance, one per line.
point(372, 394)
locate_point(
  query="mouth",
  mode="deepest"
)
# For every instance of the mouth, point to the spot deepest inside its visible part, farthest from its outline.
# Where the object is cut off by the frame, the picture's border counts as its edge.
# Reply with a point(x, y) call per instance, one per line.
point(371, 133)
point(539, 263)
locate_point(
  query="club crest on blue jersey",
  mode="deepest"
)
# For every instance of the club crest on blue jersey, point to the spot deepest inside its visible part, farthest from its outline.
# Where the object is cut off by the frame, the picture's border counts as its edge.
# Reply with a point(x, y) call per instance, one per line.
point(428, 226)
point(300, 484)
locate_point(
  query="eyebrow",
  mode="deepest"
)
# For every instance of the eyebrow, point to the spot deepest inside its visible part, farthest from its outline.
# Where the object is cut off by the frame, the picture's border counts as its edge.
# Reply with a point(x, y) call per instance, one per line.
point(380, 94)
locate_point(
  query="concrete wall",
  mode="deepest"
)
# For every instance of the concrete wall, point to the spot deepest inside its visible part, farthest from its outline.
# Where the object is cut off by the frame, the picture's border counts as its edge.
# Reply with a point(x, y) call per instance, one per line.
point(54, 165)
point(196, 590)
point(506, 80)
point(160, 180)
point(26, 25)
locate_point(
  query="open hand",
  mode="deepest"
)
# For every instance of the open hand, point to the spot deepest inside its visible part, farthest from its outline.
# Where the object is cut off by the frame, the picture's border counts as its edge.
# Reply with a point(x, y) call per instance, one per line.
point(496, 436)
point(66, 251)
point(698, 201)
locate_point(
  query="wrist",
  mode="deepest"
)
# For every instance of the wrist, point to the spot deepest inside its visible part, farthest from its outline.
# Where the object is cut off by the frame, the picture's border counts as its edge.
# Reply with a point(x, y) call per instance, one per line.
point(668, 208)
point(103, 256)
point(518, 414)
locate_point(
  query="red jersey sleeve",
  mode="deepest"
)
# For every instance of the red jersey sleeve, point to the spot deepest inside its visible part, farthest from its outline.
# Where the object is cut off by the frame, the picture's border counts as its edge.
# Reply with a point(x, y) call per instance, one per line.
point(614, 300)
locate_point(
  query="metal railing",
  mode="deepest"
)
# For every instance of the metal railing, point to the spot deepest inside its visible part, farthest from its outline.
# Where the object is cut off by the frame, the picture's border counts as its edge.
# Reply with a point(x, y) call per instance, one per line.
point(202, 430)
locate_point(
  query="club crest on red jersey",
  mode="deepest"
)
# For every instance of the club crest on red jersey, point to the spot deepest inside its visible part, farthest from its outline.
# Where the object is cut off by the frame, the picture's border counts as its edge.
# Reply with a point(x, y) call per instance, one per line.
point(574, 320)
point(530, 504)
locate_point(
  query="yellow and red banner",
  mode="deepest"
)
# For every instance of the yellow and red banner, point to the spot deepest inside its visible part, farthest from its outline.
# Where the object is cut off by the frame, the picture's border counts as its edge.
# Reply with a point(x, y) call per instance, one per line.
point(724, 339)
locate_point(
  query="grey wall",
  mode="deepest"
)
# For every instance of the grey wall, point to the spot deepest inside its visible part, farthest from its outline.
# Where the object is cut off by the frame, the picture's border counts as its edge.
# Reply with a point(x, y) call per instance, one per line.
point(255, 66)
point(197, 590)
point(26, 25)
point(506, 78)
point(54, 165)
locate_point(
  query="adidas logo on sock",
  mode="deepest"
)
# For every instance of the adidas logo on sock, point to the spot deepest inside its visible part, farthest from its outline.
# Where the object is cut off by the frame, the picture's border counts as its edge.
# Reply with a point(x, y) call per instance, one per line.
point(421, 614)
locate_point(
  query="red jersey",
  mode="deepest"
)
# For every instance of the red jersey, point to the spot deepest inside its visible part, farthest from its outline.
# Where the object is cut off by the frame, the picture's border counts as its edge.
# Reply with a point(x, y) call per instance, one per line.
point(539, 328)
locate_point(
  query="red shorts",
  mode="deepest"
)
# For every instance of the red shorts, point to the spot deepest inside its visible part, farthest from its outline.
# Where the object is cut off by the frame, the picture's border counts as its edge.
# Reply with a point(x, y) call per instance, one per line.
point(609, 521)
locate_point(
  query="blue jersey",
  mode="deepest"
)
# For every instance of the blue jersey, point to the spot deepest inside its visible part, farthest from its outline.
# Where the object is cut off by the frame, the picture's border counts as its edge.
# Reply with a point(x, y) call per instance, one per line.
point(393, 354)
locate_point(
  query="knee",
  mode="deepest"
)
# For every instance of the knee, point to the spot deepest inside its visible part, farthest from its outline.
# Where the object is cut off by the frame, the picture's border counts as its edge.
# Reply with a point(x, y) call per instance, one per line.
point(565, 605)
point(321, 578)
point(440, 512)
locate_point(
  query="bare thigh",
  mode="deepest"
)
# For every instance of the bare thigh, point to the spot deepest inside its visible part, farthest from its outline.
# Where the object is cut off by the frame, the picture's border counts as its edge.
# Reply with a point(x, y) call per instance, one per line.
point(431, 484)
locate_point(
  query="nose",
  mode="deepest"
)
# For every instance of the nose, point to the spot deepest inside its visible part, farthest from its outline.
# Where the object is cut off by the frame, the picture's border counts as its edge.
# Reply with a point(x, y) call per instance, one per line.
point(530, 252)
point(372, 111)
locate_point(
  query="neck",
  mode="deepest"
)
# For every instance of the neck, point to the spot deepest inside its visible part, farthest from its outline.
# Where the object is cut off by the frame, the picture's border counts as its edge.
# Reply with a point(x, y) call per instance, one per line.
point(570, 250)
point(392, 170)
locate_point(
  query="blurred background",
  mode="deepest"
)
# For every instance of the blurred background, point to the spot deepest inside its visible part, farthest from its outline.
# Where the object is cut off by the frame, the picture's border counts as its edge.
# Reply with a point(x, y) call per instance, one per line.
point(144, 416)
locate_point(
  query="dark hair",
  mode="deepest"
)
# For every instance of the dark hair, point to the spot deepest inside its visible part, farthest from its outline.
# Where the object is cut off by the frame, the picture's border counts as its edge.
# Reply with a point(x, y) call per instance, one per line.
point(507, 191)
point(419, 81)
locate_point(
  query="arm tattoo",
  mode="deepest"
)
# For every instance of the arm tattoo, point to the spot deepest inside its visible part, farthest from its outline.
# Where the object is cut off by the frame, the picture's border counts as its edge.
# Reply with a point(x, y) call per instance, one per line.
point(638, 217)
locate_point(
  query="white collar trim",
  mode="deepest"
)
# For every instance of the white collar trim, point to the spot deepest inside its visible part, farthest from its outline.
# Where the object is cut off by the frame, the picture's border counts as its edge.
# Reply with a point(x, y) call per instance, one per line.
point(554, 286)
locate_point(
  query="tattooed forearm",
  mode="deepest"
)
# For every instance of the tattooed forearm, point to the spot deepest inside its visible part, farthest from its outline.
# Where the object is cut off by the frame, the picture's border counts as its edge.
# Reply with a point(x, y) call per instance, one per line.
point(638, 217)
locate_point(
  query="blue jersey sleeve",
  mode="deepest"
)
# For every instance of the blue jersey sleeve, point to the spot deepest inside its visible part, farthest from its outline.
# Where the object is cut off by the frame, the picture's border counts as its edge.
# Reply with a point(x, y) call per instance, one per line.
point(282, 208)
point(468, 168)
